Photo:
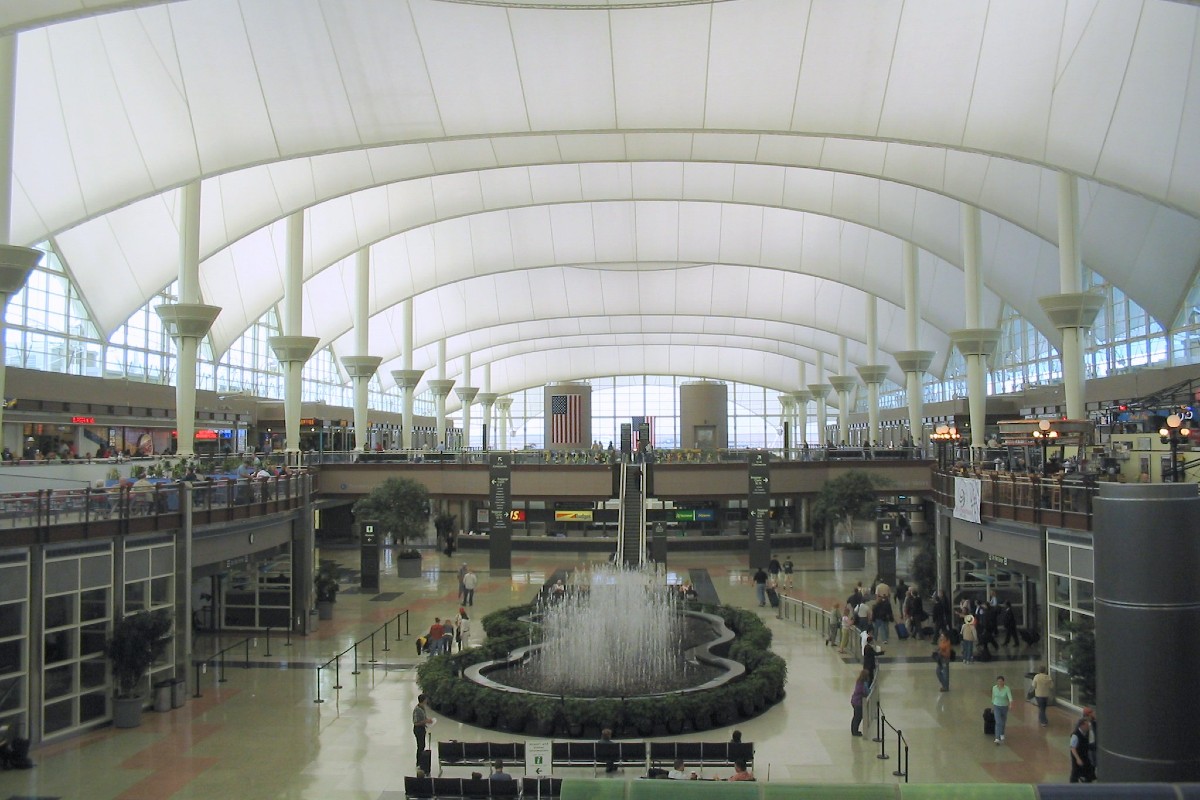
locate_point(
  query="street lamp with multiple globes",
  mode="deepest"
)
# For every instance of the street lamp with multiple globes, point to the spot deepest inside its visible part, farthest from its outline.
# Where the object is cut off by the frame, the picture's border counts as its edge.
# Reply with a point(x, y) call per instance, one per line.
point(942, 436)
point(1173, 435)
point(1045, 434)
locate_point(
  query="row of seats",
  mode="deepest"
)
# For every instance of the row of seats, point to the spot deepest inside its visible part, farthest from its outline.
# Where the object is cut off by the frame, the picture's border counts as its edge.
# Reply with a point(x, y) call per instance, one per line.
point(481, 789)
point(575, 754)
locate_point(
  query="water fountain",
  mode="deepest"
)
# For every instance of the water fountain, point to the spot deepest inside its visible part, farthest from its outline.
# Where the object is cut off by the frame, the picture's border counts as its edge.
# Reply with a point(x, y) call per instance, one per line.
point(618, 648)
point(618, 632)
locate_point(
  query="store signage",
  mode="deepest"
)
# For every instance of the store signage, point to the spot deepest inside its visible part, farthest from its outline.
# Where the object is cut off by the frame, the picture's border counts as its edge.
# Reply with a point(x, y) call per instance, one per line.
point(207, 435)
point(1001, 560)
point(573, 516)
point(695, 515)
point(309, 422)
point(517, 515)
point(83, 420)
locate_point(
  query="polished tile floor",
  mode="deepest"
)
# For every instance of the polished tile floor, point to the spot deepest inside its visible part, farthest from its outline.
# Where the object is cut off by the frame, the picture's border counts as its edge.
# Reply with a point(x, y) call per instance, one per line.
point(261, 735)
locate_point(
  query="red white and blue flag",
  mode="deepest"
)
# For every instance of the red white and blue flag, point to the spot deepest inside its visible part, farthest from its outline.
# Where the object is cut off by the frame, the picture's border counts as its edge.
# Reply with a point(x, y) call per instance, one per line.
point(566, 420)
point(638, 422)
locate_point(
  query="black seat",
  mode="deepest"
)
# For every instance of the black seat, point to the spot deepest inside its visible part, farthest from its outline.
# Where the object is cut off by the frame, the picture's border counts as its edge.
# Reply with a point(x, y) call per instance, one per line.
point(475, 753)
point(450, 752)
point(447, 787)
point(476, 789)
point(504, 788)
point(715, 752)
point(508, 751)
point(662, 752)
point(690, 752)
point(581, 752)
point(418, 787)
point(633, 752)
point(741, 751)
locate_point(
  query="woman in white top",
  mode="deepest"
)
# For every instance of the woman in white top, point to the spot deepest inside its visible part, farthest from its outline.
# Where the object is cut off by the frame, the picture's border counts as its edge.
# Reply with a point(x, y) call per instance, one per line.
point(462, 629)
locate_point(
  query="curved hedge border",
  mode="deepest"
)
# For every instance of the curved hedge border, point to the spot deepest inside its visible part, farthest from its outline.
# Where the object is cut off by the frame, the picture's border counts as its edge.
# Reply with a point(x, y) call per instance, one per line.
point(454, 696)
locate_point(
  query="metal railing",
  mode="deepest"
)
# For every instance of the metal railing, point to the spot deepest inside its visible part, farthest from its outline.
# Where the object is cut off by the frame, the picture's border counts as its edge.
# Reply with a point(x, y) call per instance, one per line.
point(1057, 500)
point(881, 726)
point(218, 660)
point(604, 457)
point(336, 661)
point(806, 614)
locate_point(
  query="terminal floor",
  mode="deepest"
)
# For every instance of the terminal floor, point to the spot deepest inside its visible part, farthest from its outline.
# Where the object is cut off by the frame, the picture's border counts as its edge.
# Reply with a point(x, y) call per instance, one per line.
point(261, 735)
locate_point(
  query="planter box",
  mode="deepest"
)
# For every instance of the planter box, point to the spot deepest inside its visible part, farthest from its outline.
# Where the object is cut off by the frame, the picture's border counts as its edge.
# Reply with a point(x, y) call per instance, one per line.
point(408, 567)
point(127, 712)
point(324, 610)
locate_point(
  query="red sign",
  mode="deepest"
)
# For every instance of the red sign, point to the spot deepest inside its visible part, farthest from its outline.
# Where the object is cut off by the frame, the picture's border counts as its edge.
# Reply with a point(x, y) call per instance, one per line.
point(208, 435)
point(517, 515)
point(83, 420)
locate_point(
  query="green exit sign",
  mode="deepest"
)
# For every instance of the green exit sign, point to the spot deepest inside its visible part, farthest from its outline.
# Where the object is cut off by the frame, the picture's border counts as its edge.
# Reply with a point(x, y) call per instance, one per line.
point(685, 515)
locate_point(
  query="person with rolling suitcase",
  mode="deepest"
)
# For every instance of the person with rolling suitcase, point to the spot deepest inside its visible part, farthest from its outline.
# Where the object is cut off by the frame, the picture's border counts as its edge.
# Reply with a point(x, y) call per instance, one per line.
point(772, 593)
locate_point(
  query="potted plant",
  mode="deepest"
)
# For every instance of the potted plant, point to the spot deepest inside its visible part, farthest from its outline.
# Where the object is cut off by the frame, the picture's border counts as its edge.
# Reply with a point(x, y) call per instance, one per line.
point(326, 589)
point(401, 507)
point(136, 643)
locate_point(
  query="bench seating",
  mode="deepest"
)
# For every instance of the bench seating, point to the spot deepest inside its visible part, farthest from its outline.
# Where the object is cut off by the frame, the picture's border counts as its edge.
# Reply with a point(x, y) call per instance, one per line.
point(701, 753)
point(479, 754)
point(541, 787)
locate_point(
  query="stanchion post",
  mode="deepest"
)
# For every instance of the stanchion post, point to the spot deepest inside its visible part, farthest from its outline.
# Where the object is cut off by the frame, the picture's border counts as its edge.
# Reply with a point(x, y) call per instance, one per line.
point(319, 700)
point(386, 648)
point(356, 670)
point(197, 694)
point(373, 659)
point(221, 668)
point(268, 653)
point(899, 770)
point(878, 723)
point(246, 665)
point(288, 643)
point(906, 763)
point(883, 756)
point(337, 672)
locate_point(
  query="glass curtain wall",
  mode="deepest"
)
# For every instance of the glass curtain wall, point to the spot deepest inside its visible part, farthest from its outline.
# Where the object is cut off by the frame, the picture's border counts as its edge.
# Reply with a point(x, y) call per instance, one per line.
point(14, 641)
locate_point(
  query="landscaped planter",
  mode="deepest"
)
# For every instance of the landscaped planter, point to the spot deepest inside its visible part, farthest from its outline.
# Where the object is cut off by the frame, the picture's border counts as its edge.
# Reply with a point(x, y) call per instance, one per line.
point(851, 558)
point(408, 567)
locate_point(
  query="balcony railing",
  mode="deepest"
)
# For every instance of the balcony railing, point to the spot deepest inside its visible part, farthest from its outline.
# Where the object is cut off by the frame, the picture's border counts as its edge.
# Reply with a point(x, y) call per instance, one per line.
point(1062, 501)
point(594, 457)
point(62, 514)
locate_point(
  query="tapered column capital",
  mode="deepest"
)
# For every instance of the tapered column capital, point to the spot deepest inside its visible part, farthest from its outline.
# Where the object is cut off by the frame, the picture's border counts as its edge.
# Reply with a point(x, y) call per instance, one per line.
point(914, 360)
point(486, 399)
point(820, 390)
point(407, 378)
point(843, 383)
point(289, 349)
point(802, 396)
point(504, 403)
point(15, 266)
point(441, 387)
point(976, 341)
point(188, 320)
point(1072, 309)
point(361, 366)
point(872, 373)
point(466, 394)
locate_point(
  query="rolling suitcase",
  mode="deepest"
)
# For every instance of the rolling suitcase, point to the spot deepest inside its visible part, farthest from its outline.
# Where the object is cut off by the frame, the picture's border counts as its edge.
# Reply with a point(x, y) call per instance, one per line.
point(425, 761)
point(773, 596)
point(901, 630)
point(989, 722)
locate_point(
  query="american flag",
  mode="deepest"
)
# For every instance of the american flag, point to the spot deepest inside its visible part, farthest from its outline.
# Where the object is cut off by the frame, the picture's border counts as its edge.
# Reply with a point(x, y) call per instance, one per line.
point(637, 424)
point(565, 420)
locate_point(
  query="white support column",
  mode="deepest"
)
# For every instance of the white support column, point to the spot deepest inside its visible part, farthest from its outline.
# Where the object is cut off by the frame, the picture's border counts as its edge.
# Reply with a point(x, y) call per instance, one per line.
point(441, 387)
point(843, 384)
point(975, 342)
point(913, 361)
point(292, 349)
point(504, 407)
point(360, 366)
point(820, 390)
point(1072, 311)
point(872, 373)
point(15, 262)
point(188, 321)
point(466, 394)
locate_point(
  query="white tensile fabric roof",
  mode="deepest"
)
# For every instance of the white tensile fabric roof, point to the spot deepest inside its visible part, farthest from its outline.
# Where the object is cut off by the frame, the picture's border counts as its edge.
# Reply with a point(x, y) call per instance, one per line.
point(575, 189)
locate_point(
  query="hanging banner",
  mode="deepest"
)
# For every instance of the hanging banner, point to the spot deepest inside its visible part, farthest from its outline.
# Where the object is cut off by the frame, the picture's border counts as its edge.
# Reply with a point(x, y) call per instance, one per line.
point(966, 499)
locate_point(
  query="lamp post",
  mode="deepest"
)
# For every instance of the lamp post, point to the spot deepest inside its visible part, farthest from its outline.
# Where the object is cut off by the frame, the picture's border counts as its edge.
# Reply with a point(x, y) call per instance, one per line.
point(1173, 434)
point(942, 436)
point(1045, 434)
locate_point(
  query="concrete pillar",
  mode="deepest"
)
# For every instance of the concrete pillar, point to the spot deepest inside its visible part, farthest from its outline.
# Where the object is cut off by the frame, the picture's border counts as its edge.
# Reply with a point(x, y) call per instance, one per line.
point(441, 386)
point(466, 394)
point(292, 349)
point(486, 401)
point(1072, 311)
point(1146, 562)
point(360, 366)
point(975, 342)
point(801, 399)
point(15, 262)
point(914, 362)
point(820, 390)
point(407, 380)
point(872, 373)
point(504, 408)
point(785, 423)
point(844, 385)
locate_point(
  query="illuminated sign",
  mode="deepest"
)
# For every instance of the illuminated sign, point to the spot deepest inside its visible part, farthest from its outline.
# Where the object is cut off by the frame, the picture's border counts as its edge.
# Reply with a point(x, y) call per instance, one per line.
point(517, 515)
point(207, 435)
point(83, 420)
point(309, 422)
point(572, 516)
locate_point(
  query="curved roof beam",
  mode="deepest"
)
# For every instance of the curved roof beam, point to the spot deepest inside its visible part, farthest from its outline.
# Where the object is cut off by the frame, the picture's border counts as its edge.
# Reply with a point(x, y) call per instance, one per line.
point(1121, 235)
point(521, 303)
point(1103, 90)
point(503, 356)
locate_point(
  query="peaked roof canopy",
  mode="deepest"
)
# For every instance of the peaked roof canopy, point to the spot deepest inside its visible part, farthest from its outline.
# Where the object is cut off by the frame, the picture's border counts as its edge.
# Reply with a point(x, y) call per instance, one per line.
point(570, 189)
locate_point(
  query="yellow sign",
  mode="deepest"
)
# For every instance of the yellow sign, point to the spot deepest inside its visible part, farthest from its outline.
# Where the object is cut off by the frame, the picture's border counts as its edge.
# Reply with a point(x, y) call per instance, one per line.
point(572, 516)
